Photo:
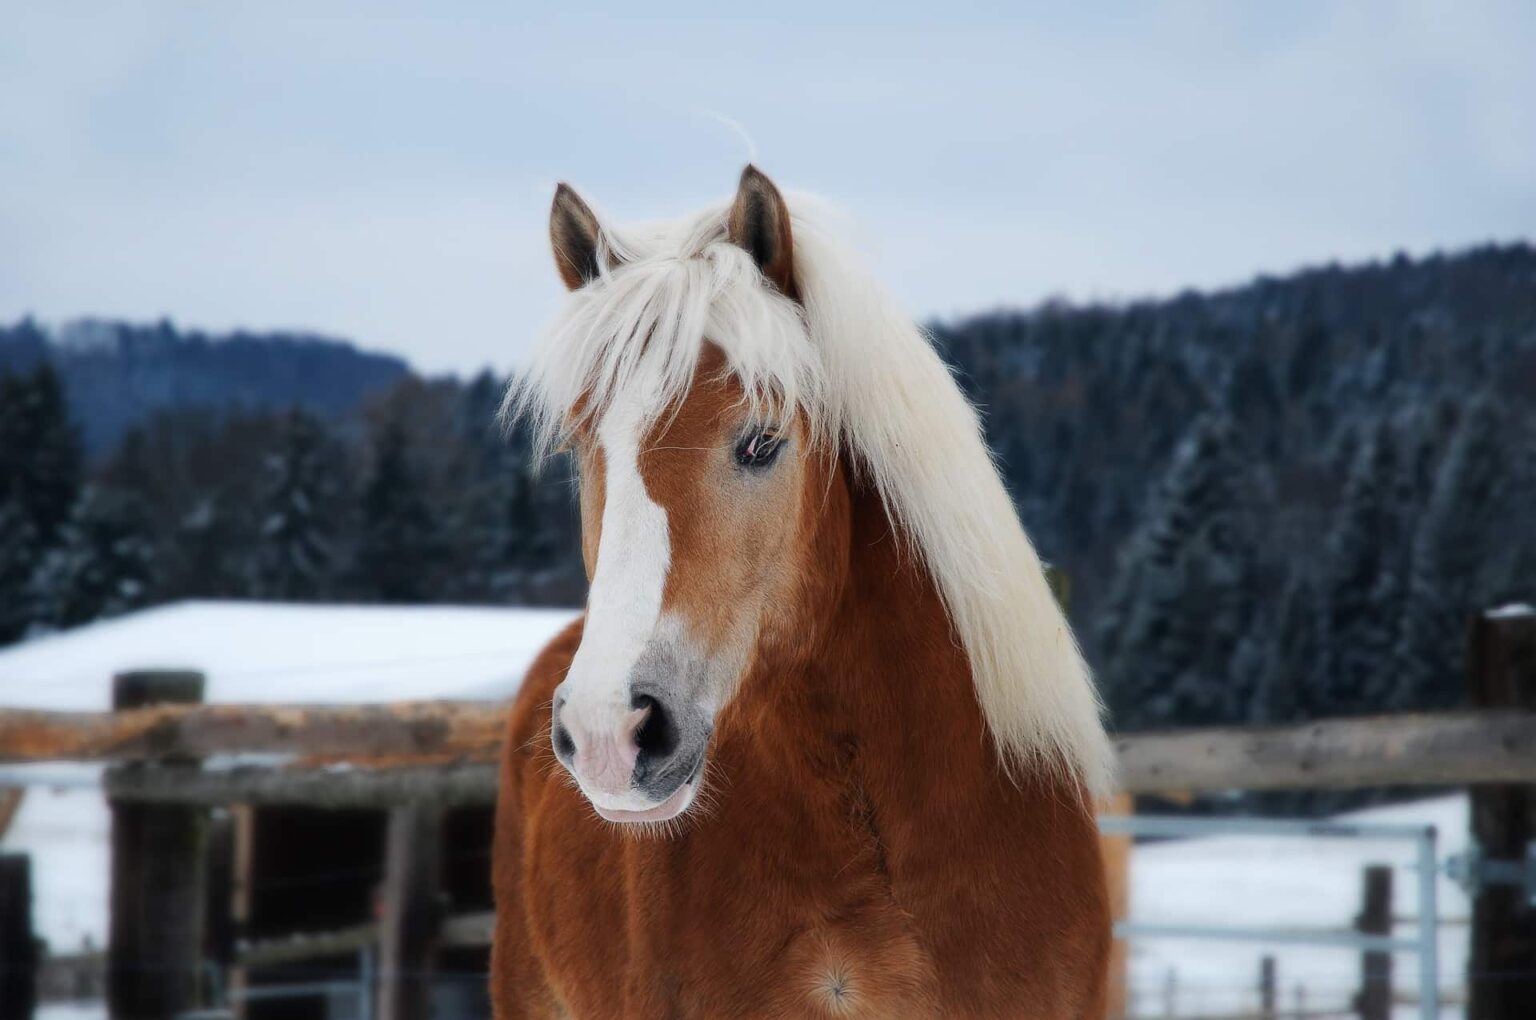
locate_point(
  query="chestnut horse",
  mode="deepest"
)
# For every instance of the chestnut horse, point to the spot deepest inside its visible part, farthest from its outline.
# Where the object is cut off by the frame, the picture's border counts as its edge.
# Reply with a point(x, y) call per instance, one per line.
point(822, 744)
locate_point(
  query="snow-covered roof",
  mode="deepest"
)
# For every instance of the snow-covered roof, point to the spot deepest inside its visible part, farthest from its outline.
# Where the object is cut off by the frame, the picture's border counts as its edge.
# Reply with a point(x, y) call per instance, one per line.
point(250, 652)
point(267, 652)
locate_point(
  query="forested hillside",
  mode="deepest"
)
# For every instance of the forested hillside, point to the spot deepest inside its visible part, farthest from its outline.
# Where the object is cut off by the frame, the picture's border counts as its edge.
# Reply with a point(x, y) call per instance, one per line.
point(117, 374)
point(1280, 500)
point(1274, 502)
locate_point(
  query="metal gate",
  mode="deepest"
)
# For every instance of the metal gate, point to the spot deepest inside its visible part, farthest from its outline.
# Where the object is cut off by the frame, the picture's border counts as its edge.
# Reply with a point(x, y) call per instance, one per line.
point(1425, 942)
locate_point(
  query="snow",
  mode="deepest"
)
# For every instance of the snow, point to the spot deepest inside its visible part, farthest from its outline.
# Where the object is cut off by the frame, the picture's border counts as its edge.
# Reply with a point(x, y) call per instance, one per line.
point(265, 652)
point(71, 1011)
point(251, 652)
point(65, 829)
point(1510, 612)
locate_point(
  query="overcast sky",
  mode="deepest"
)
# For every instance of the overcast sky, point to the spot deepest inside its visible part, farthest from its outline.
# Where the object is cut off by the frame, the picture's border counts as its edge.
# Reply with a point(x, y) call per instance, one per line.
point(383, 175)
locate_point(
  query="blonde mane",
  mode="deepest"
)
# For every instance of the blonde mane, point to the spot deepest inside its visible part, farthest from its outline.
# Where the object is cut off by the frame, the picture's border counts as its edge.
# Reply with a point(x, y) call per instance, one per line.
point(864, 375)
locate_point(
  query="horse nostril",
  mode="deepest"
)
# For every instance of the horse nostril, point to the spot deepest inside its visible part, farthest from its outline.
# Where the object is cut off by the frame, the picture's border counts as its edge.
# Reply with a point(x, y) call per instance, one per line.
point(565, 745)
point(657, 737)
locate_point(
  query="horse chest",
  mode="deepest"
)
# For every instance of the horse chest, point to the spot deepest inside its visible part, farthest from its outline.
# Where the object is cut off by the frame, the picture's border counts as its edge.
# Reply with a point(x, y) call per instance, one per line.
point(780, 915)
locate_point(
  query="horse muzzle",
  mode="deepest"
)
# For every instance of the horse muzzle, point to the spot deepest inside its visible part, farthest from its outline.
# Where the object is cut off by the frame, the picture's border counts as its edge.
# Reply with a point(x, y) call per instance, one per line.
point(639, 762)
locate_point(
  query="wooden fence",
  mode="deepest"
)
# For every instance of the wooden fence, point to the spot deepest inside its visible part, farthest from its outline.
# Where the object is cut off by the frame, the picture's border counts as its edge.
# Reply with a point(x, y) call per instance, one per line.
point(383, 754)
point(416, 759)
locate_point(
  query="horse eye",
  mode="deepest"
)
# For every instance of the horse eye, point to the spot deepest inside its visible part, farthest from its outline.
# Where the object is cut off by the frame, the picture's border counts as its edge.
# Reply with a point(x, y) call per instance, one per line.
point(759, 449)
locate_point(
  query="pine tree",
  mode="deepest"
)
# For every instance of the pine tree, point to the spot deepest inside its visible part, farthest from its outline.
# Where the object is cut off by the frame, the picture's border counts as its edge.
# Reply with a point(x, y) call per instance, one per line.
point(297, 555)
point(1182, 605)
point(103, 564)
point(39, 476)
point(40, 459)
point(1366, 583)
point(400, 547)
point(514, 544)
point(19, 554)
point(1451, 557)
point(1281, 693)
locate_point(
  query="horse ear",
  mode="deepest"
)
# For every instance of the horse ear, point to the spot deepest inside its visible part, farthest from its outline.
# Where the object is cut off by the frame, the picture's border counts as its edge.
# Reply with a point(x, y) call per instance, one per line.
point(760, 223)
point(573, 234)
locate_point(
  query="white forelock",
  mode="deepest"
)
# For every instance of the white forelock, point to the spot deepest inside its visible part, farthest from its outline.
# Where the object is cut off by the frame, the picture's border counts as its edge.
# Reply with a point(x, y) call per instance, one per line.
point(853, 361)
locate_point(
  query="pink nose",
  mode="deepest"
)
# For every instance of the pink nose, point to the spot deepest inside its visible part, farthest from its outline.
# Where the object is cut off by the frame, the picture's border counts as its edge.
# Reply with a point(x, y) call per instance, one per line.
point(600, 748)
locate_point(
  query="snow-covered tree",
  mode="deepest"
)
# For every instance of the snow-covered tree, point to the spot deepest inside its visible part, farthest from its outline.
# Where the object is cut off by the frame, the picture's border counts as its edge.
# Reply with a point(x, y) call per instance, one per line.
point(103, 564)
point(19, 555)
point(1453, 552)
point(401, 546)
point(39, 449)
point(1282, 687)
point(1182, 606)
point(297, 554)
point(1365, 585)
point(39, 477)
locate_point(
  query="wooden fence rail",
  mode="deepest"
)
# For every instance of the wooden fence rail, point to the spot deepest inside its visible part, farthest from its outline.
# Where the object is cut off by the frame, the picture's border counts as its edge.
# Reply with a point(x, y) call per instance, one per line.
point(1441, 749)
point(202, 731)
point(446, 751)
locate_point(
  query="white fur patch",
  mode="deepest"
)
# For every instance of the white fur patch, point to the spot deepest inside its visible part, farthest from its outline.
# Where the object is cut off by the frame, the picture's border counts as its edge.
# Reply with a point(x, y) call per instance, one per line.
point(624, 604)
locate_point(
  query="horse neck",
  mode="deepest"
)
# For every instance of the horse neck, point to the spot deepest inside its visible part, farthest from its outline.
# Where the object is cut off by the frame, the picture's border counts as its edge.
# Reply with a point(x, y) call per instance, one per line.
point(881, 677)
point(902, 664)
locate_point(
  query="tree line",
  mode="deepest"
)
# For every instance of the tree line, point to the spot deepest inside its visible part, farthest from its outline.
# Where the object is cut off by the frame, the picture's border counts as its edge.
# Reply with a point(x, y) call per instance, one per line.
point(418, 498)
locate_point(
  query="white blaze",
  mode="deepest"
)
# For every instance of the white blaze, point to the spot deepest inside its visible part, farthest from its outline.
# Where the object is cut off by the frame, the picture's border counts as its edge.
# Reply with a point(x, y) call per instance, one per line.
point(623, 604)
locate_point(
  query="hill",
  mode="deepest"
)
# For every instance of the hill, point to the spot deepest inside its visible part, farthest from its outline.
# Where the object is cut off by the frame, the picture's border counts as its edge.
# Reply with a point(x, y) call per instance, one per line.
point(118, 374)
point(1276, 500)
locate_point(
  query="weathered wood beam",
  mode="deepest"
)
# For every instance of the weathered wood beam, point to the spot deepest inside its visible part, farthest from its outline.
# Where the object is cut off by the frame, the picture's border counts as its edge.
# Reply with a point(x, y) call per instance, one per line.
point(472, 929)
point(475, 929)
point(450, 785)
point(462, 739)
point(199, 731)
point(1442, 749)
point(306, 946)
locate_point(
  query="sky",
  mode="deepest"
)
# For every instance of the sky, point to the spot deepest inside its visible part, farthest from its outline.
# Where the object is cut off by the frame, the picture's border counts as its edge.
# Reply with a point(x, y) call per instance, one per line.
point(382, 172)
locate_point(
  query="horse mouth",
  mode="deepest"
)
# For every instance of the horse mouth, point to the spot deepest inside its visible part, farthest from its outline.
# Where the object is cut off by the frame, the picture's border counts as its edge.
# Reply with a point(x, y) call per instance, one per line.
point(667, 810)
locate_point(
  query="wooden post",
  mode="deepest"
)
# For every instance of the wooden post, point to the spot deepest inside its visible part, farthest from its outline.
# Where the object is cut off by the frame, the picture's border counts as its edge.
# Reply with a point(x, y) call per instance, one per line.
point(154, 956)
point(219, 933)
point(1116, 850)
point(243, 839)
point(1374, 1000)
point(1502, 967)
point(18, 947)
point(410, 912)
point(10, 803)
point(1268, 1000)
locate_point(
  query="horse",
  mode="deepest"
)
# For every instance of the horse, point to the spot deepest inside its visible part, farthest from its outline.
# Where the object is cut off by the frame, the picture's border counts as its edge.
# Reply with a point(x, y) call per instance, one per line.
point(822, 744)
